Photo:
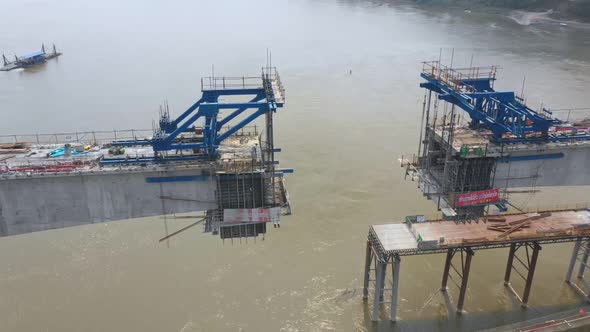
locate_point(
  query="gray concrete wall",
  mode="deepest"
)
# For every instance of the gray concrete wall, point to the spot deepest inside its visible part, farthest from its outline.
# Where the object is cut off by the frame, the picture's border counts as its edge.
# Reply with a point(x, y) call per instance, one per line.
point(573, 169)
point(50, 202)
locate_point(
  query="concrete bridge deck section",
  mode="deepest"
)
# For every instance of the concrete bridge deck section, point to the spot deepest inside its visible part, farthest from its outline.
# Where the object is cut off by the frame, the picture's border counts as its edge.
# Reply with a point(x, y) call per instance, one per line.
point(50, 201)
point(544, 166)
point(524, 235)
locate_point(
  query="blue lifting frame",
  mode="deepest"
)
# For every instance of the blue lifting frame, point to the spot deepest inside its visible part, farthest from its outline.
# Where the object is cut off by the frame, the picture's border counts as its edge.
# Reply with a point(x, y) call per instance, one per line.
point(472, 90)
point(266, 93)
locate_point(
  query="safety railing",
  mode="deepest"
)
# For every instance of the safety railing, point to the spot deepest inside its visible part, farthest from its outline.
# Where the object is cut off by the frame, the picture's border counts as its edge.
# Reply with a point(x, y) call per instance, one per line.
point(83, 137)
point(225, 83)
point(244, 131)
point(555, 207)
point(239, 165)
point(578, 117)
point(44, 165)
point(454, 77)
point(536, 209)
point(273, 85)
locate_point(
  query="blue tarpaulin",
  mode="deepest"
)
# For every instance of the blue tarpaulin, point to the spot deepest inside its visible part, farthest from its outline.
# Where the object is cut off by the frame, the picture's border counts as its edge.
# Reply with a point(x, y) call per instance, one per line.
point(32, 55)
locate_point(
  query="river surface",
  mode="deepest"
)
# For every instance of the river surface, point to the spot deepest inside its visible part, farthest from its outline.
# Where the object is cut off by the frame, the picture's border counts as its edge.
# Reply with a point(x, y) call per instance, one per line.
point(341, 131)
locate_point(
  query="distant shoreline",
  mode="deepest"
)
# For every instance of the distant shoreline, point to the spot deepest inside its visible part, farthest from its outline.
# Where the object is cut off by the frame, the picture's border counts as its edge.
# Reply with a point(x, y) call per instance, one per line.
point(555, 15)
point(531, 18)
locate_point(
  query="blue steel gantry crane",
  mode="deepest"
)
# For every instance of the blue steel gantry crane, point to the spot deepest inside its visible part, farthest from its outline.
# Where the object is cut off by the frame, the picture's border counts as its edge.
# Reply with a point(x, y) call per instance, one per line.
point(266, 95)
point(502, 112)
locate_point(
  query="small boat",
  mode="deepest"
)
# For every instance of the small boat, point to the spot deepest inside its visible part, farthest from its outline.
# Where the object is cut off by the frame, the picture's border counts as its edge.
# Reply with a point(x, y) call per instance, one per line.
point(29, 60)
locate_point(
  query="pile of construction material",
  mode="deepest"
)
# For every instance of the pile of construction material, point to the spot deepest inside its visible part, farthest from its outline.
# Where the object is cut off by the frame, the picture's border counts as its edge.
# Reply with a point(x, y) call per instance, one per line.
point(506, 228)
point(498, 228)
point(14, 148)
point(421, 242)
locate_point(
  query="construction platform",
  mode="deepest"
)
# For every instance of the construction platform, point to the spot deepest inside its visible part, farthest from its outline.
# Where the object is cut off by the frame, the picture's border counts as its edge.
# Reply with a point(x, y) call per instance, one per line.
point(90, 152)
point(521, 233)
point(472, 143)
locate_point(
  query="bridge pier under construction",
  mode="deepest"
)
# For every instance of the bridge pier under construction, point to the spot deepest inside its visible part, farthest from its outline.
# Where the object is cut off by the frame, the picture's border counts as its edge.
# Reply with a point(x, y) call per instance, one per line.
point(524, 236)
point(212, 158)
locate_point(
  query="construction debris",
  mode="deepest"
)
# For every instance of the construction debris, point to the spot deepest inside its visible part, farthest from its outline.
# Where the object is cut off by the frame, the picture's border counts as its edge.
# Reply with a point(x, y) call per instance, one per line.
point(14, 148)
point(508, 228)
point(496, 219)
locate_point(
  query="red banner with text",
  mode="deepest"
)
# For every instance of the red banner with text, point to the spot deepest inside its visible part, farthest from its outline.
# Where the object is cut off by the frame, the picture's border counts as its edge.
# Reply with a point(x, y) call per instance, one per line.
point(478, 197)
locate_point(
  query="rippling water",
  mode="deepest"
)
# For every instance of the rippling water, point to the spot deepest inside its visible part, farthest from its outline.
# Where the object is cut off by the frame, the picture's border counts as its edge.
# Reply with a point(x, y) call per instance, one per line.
point(342, 133)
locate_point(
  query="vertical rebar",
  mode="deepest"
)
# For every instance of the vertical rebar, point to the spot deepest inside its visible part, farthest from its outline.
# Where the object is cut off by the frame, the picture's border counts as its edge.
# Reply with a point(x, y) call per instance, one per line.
point(252, 187)
point(244, 190)
point(421, 125)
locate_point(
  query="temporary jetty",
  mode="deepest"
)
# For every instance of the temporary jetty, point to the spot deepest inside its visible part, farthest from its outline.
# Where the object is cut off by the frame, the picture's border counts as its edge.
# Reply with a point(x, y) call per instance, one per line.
point(29, 60)
point(521, 233)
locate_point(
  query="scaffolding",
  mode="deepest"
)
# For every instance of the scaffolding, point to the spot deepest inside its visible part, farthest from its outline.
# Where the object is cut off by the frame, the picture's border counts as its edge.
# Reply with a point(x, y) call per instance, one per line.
point(249, 184)
point(442, 171)
point(467, 128)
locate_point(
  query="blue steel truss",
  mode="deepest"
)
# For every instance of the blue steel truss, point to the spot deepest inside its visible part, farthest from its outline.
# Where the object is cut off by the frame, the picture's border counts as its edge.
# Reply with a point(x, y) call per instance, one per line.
point(266, 94)
point(505, 114)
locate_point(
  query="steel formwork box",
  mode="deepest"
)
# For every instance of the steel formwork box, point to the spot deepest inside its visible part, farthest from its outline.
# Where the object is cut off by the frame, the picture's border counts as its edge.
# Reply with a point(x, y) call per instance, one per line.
point(242, 230)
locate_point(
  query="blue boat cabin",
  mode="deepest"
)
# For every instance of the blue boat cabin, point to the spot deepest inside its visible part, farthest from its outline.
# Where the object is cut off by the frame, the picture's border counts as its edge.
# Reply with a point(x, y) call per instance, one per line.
point(32, 59)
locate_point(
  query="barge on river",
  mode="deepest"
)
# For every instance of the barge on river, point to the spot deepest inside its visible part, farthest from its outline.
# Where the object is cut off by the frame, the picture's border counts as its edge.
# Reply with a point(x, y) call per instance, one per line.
point(29, 60)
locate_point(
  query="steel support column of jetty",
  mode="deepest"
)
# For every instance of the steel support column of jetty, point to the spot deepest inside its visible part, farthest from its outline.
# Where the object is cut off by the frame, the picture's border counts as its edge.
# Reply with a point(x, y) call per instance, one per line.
point(387, 244)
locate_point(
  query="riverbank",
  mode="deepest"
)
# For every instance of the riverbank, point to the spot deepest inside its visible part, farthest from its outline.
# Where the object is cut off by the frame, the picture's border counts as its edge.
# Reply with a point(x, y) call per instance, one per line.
point(530, 12)
point(536, 18)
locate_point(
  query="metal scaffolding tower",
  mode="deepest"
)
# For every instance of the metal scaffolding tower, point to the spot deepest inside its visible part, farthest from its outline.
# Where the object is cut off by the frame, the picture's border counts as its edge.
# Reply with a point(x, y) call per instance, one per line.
point(455, 161)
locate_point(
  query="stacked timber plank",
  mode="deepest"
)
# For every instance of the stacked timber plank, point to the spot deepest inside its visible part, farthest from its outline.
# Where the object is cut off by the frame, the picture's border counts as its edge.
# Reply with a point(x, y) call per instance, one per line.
point(532, 226)
point(14, 148)
point(509, 227)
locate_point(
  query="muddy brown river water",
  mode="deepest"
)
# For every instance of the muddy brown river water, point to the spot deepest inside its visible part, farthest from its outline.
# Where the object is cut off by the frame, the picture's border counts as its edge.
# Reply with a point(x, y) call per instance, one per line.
point(341, 132)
